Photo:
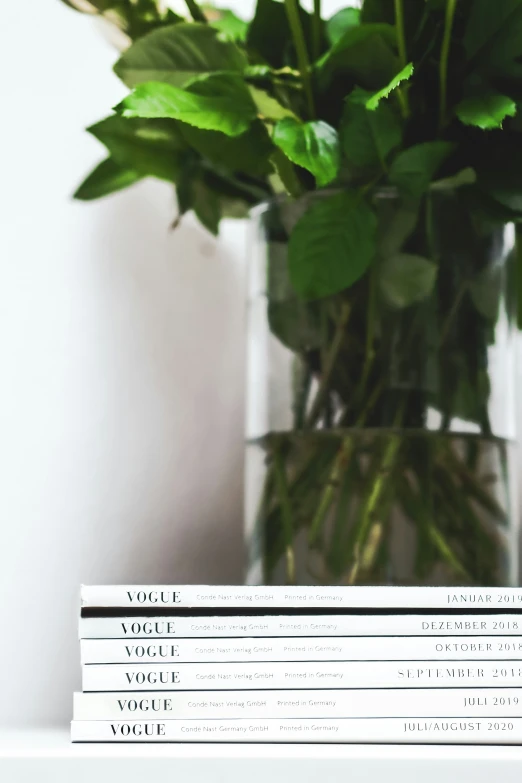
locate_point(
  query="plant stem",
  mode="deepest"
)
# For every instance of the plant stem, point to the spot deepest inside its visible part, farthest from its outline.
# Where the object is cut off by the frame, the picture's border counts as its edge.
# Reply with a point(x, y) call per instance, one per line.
point(473, 486)
point(444, 57)
point(378, 484)
point(287, 173)
point(329, 365)
point(376, 491)
point(195, 11)
point(292, 12)
point(401, 40)
point(370, 330)
point(415, 508)
point(303, 386)
point(286, 514)
point(401, 36)
point(372, 400)
point(335, 555)
point(446, 327)
point(316, 30)
point(220, 175)
point(341, 460)
point(343, 457)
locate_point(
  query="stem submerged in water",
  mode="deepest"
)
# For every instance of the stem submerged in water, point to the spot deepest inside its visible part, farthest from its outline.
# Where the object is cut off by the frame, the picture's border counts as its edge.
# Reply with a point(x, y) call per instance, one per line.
point(327, 498)
point(286, 513)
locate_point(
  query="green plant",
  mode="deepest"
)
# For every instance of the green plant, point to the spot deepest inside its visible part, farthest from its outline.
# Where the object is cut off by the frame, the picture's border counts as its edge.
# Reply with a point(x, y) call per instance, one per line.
point(401, 93)
point(416, 98)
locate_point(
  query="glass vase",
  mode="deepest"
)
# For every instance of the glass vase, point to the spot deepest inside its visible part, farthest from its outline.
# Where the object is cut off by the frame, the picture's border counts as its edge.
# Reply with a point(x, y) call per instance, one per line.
point(381, 421)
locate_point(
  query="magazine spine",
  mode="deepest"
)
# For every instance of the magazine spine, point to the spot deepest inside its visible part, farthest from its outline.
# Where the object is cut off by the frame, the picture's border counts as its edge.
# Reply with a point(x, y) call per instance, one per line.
point(187, 596)
point(285, 649)
point(211, 705)
point(298, 675)
point(442, 729)
point(170, 627)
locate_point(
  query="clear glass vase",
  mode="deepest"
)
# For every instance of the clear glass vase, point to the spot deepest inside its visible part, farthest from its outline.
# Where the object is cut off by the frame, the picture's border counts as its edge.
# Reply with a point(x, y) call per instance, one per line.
point(381, 421)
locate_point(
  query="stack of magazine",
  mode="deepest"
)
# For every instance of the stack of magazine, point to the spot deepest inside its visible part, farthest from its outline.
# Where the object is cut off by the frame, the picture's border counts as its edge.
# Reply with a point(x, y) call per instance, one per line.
point(300, 664)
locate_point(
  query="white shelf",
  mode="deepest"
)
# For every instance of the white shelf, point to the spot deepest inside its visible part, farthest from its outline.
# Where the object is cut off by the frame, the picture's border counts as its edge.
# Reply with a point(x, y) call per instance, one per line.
point(49, 757)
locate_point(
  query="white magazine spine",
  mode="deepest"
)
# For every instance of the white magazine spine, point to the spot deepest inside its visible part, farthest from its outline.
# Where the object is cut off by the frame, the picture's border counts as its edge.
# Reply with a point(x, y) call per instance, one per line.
point(233, 676)
point(404, 648)
point(186, 596)
point(442, 729)
point(211, 705)
point(169, 627)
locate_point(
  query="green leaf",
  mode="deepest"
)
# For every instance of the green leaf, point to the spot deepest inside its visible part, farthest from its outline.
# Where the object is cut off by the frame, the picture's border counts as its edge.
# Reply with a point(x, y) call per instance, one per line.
point(189, 171)
point(294, 322)
point(194, 194)
point(365, 54)
point(89, 6)
point(150, 147)
point(264, 72)
point(340, 22)
point(368, 137)
point(248, 153)
point(206, 206)
point(486, 111)
point(268, 107)
point(462, 178)
point(230, 110)
point(396, 223)
point(332, 245)
point(135, 19)
point(312, 145)
point(493, 37)
point(405, 279)
point(413, 169)
point(486, 291)
point(108, 177)
point(373, 101)
point(176, 54)
point(230, 26)
point(284, 179)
